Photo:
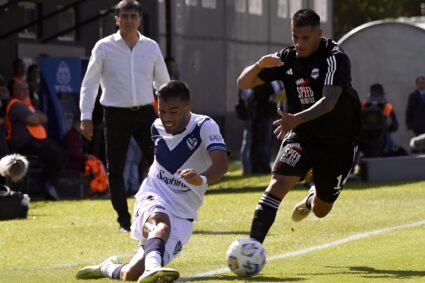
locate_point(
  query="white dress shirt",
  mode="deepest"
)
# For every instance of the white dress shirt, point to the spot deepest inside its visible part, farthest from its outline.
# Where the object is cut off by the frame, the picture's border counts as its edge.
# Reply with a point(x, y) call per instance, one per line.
point(127, 76)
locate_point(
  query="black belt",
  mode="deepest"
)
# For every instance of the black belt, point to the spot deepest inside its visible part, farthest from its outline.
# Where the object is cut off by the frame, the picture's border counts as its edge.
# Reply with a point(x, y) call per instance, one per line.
point(131, 108)
point(139, 107)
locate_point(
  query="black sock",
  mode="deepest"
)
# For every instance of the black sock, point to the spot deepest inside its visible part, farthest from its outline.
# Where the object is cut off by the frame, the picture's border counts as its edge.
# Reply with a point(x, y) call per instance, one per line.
point(155, 245)
point(309, 199)
point(116, 274)
point(264, 216)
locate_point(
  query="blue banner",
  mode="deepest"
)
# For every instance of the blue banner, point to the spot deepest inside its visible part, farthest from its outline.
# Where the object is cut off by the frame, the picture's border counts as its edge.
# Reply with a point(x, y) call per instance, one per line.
point(62, 79)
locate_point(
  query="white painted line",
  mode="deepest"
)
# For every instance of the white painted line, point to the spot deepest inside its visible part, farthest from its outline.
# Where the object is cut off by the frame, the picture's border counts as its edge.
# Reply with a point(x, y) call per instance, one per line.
point(72, 264)
point(313, 249)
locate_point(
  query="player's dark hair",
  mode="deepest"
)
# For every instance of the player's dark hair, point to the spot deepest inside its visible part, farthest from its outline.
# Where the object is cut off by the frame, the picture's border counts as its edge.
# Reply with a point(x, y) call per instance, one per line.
point(126, 5)
point(419, 79)
point(174, 89)
point(306, 18)
point(376, 90)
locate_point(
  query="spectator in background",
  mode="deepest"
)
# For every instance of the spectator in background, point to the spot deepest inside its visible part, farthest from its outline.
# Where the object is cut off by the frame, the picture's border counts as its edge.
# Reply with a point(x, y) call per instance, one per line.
point(260, 105)
point(33, 80)
point(245, 111)
point(27, 134)
point(265, 98)
point(4, 97)
point(134, 170)
point(415, 112)
point(79, 160)
point(172, 68)
point(126, 64)
point(18, 69)
point(379, 120)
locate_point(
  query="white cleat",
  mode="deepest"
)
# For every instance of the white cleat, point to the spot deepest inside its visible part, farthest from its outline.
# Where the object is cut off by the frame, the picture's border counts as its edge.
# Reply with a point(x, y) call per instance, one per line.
point(159, 275)
point(301, 210)
point(94, 271)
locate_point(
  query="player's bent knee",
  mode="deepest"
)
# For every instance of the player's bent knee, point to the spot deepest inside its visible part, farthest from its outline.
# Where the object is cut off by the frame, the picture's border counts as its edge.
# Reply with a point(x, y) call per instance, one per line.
point(321, 208)
point(130, 274)
point(321, 213)
point(161, 230)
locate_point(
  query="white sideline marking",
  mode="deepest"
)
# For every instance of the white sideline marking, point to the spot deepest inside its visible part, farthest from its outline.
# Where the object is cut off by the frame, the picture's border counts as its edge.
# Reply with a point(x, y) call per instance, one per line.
point(72, 264)
point(313, 249)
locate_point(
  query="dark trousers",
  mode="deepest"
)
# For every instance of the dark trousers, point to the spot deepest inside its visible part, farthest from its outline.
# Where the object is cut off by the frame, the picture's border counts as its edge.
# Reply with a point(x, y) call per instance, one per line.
point(120, 125)
point(50, 153)
point(262, 135)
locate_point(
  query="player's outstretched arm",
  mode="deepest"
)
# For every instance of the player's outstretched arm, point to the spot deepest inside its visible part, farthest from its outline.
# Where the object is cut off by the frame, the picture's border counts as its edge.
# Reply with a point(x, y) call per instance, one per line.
point(249, 76)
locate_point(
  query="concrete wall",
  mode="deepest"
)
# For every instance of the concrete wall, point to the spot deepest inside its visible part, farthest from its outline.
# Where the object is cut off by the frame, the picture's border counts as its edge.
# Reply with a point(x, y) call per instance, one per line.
point(390, 53)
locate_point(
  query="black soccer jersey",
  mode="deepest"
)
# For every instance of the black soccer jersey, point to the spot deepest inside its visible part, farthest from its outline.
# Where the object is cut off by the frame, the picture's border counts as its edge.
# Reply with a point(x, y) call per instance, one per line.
point(304, 79)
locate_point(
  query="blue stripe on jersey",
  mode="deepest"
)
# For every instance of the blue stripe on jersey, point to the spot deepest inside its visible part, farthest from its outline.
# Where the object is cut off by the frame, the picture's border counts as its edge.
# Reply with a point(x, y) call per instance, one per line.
point(174, 159)
point(216, 146)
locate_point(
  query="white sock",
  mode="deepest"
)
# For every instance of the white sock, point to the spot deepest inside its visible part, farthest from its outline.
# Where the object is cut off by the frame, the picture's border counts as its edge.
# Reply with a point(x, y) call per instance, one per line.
point(108, 268)
point(153, 260)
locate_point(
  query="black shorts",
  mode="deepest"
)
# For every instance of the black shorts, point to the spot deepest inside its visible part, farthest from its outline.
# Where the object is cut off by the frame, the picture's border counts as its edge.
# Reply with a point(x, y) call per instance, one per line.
point(330, 169)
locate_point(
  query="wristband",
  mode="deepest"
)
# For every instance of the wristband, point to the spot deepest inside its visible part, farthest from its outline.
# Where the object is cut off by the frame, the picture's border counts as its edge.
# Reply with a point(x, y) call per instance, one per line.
point(204, 180)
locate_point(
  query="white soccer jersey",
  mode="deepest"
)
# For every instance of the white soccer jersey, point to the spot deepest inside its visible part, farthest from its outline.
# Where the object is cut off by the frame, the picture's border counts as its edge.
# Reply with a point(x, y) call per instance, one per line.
point(189, 149)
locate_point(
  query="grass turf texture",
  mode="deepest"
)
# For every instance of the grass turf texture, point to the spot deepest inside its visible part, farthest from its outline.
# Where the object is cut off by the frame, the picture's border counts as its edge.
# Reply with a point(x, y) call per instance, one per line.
point(58, 238)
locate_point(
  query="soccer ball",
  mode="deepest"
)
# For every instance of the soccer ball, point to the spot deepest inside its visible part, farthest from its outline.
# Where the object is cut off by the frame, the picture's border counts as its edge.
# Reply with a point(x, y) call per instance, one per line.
point(246, 257)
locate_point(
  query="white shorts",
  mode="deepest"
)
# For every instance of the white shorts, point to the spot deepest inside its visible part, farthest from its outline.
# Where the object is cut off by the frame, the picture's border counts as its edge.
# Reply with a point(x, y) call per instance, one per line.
point(181, 229)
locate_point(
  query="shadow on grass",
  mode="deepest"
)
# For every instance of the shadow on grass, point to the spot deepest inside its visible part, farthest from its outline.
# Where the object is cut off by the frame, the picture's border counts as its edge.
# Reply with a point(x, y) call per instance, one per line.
point(248, 189)
point(370, 272)
point(258, 278)
point(203, 232)
point(241, 190)
point(248, 184)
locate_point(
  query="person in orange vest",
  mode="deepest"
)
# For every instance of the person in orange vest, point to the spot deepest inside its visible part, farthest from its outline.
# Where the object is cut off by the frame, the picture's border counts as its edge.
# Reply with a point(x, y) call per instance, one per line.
point(377, 98)
point(4, 97)
point(27, 135)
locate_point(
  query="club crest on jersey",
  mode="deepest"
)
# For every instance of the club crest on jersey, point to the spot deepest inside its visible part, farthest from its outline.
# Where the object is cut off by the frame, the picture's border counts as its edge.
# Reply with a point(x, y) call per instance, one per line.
point(315, 73)
point(302, 82)
point(191, 142)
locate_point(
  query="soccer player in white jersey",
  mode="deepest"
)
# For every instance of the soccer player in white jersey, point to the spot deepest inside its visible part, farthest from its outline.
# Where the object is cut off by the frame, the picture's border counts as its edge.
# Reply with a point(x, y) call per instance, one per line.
point(190, 153)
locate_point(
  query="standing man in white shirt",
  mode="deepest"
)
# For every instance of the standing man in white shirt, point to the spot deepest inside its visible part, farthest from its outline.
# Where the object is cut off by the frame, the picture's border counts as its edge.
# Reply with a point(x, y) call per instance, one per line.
point(127, 65)
point(190, 153)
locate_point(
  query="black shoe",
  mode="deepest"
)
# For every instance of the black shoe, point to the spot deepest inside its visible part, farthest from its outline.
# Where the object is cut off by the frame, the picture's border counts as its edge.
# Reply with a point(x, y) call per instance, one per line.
point(50, 192)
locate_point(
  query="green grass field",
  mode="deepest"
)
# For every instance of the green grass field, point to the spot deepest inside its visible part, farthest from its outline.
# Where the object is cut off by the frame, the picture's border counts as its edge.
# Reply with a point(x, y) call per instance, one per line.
point(376, 233)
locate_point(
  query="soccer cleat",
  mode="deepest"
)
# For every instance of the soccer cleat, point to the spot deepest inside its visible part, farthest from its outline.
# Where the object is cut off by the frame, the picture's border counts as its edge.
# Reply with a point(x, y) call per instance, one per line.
point(124, 229)
point(301, 210)
point(159, 275)
point(95, 271)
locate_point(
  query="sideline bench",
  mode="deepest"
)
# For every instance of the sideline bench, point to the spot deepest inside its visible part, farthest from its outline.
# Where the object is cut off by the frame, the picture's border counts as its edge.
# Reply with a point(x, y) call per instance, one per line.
point(393, 169)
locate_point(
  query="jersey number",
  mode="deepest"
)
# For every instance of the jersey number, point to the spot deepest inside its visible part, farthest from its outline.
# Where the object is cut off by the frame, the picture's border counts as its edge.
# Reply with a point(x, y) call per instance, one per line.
point(340, 183)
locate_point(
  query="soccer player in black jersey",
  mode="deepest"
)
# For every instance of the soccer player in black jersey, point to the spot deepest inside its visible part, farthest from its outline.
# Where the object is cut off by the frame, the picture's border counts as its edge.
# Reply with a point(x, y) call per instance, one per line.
point(319, 131)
